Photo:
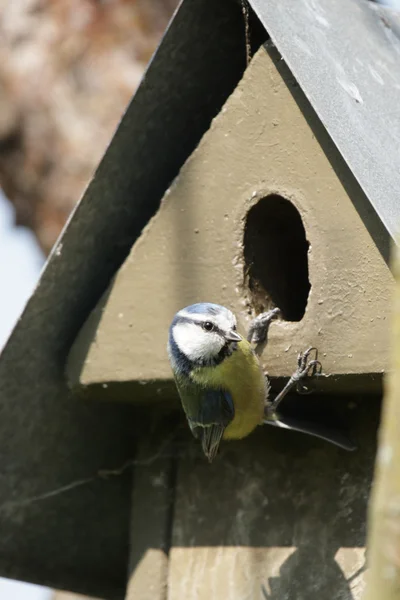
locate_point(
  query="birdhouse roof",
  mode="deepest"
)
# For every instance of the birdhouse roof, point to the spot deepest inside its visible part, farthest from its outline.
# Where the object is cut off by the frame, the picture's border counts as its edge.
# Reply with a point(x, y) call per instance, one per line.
point(345, 56)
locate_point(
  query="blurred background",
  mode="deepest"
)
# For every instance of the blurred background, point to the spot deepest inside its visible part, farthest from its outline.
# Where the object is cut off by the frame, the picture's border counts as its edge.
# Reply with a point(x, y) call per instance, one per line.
point(68, 69)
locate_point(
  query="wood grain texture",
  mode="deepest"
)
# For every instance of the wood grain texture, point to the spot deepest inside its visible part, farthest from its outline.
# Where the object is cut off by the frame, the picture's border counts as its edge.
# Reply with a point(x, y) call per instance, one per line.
point(384, 513)
point(276, 516)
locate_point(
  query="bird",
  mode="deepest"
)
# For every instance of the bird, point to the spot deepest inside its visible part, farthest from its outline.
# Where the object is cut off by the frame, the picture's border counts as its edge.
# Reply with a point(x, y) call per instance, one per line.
point(223, 389)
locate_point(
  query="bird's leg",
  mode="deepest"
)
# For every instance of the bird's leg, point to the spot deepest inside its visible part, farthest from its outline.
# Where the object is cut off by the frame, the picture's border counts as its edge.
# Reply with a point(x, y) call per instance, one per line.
point(259, 326)
point(304, 368)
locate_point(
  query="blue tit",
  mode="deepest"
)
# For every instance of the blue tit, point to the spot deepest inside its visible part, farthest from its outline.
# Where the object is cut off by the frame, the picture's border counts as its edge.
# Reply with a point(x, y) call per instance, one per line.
point(223, 389)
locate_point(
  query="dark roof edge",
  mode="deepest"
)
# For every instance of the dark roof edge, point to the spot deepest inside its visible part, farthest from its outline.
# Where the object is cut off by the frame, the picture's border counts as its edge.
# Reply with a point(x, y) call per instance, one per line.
point(344, 55)
point(163, 124)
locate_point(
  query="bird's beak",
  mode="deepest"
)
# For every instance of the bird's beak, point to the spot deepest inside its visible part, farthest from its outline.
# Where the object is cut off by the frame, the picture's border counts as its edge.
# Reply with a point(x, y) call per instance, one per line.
point(232, 336)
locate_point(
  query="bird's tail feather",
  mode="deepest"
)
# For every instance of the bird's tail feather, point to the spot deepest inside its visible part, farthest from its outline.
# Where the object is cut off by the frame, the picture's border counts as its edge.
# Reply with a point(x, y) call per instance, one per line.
point(210, 439)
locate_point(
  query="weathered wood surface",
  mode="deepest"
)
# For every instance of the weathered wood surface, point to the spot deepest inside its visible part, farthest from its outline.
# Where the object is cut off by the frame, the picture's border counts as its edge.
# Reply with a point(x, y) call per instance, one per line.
point(152, 498)
point(384, 514)
point(278, 516)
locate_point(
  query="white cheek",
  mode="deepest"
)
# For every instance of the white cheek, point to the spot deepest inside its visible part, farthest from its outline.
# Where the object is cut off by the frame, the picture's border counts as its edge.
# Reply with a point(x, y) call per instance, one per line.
point(196, 343)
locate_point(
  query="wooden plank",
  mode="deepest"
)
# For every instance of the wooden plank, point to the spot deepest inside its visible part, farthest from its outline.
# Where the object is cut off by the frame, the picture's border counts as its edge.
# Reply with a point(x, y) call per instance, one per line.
point(384, 516)
point(151, 515)
point(279, 515)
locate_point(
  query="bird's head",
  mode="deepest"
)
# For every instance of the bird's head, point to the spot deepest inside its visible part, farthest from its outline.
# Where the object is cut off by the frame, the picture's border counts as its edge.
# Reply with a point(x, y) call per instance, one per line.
point(202, 334)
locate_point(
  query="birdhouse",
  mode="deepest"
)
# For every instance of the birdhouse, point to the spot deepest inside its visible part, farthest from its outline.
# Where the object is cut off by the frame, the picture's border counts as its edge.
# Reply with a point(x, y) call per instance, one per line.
point(262, 214)
point(256, 168)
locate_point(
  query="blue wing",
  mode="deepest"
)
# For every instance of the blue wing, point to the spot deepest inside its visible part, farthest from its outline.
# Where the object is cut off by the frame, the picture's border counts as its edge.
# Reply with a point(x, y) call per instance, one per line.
point(208, 412)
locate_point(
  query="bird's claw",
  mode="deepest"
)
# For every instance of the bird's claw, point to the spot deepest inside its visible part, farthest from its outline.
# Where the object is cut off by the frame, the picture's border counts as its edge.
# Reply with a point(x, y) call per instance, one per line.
point(259, 326)
point(306, 368)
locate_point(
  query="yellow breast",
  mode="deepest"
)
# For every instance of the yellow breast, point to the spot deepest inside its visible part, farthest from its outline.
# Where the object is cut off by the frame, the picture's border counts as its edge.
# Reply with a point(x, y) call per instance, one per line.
point(241, 375)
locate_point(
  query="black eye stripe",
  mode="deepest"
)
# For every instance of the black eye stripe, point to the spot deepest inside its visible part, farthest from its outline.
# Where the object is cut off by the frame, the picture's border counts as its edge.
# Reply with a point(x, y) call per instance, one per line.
point(214, 329)
point(200, 323)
